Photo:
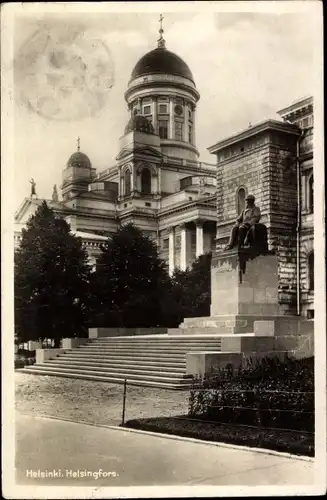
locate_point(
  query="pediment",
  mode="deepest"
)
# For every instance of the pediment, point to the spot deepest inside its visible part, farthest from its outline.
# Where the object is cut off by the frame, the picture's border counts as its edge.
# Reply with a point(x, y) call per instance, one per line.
point(29, 206)
point(26, 209)
point(140, 150)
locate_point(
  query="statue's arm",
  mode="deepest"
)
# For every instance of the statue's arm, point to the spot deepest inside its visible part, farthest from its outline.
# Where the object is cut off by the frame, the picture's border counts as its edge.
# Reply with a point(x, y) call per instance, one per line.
point(256, 216)
point(239, 218)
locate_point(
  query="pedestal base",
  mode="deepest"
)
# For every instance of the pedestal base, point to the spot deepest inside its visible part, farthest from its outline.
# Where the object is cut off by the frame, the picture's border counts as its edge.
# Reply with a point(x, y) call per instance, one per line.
point(241, 284)
point(245, 315)
point(259, 325)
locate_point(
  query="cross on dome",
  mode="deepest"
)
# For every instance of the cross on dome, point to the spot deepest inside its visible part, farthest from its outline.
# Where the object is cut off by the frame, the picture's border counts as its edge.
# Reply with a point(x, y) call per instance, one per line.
point(78, 143)
point(161, 41)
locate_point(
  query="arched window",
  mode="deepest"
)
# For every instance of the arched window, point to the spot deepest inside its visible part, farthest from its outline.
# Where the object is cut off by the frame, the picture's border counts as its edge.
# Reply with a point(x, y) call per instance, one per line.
point(146, 181)
point(128, 176)
point(311, 271)
point(240, 200)
point(310, 193)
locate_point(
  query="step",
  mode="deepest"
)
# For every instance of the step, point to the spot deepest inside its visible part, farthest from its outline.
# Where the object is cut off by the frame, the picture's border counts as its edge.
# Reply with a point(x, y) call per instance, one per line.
point(161, 336)
point(177, 340)
point(153, 349)
point(126, 358)
point(147, 364)
point(94, 367)
point(113, 380)
point(180, 341)
point(148, 343)
point(164, 358)
point(145, 376)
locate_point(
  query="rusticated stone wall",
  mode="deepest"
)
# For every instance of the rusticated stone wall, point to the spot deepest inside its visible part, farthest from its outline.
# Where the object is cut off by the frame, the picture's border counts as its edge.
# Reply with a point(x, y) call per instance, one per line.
point(264, 165)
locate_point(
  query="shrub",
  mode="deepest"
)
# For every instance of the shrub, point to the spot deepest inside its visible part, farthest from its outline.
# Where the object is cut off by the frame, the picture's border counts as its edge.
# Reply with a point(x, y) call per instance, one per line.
point(269, 392)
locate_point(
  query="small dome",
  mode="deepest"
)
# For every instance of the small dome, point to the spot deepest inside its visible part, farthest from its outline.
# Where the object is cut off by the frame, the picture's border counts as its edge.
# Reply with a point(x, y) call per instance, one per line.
point(139, 123)
point(79, 159)
point(162, 61)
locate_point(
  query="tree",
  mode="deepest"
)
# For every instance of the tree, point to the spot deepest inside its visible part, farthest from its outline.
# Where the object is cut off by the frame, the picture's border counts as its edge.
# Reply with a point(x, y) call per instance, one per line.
point(51, 280)
point(128, 281)
point(189, 294)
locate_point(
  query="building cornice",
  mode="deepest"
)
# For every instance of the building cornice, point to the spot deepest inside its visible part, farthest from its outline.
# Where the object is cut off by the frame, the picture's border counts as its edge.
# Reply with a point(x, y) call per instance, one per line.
point(301, 106)
point(157, 81)
point(260, 128)
point(183, 207)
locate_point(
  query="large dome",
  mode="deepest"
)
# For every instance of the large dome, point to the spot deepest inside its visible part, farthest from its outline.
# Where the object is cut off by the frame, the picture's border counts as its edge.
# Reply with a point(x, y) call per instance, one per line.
point(79, 159)
point(162, 61)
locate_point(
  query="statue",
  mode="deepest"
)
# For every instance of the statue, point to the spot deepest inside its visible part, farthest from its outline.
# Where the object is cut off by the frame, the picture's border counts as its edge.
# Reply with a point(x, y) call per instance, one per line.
point(55, 193)
point(247, 232)
point(33, 184)
point(202, 186)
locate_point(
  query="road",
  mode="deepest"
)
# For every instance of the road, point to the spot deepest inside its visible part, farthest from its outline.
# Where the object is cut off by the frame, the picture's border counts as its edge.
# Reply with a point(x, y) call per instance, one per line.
point(72, 450)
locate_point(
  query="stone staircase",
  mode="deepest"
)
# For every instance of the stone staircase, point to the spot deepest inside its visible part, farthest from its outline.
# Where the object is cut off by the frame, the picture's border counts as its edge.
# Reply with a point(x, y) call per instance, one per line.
point(152, 360)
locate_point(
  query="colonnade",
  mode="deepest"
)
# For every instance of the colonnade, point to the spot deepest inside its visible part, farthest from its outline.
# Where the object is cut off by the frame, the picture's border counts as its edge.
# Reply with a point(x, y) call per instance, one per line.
point(184, 245)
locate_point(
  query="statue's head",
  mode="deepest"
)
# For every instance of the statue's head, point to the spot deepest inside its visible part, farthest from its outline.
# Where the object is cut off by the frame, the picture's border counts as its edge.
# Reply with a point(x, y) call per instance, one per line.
point(250, 199)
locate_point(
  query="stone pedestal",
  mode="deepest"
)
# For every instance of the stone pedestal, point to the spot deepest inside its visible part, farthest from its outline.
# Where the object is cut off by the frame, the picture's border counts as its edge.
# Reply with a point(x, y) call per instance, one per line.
point(241, 285)
point(245, 314)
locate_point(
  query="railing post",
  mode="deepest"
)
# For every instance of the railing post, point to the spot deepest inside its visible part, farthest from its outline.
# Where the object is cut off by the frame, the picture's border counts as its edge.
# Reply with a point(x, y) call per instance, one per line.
point(258, 414)
point(124, 403)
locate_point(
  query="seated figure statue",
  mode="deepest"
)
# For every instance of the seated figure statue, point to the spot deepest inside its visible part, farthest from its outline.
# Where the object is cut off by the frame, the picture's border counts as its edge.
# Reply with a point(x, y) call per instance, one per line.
point(247, 232)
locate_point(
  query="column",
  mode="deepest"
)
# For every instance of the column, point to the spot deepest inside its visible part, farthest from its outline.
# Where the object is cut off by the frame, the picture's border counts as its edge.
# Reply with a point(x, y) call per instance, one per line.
point(185, 124)
point(154, 114)
point(171, 260)
point(183, 260)
point(193, 125)
point(199, 238)
point(159, 179)
point(133, 177)
point(171, 119)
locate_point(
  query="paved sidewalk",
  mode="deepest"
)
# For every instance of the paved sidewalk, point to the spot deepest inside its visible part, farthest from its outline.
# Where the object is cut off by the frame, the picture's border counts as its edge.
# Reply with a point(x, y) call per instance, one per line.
point(46, 445)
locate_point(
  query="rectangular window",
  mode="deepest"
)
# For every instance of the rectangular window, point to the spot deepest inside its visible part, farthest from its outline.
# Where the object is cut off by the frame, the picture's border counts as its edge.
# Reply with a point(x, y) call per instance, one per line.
point(163, 129)
point(190, 115)
point(190, 139)
point(147, 110)
point(166, 243)
point(163, 109)
point(178, 131)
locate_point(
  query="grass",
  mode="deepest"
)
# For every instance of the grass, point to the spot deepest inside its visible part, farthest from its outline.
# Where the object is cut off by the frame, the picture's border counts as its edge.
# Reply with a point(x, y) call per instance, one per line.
point(298, 443)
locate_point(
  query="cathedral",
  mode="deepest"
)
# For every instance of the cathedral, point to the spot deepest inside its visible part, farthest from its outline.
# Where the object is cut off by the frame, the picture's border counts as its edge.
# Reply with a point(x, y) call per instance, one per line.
point(186, 206)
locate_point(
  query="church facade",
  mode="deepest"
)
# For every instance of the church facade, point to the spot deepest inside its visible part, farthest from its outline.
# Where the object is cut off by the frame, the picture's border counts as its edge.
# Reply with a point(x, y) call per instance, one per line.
point(186, 206)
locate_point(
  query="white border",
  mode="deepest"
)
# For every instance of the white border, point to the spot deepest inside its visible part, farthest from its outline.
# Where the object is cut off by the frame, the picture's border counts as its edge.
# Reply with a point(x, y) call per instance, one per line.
point(8, 12)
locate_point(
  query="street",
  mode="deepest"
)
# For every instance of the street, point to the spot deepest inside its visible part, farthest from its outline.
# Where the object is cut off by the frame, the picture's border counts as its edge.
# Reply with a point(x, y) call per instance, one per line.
point(72, 454)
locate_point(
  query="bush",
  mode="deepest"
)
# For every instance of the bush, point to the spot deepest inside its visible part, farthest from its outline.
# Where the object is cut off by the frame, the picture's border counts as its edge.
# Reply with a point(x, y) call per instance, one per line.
point(24, 357)
point(269, 392)
point(25, 353)
point(19, 363)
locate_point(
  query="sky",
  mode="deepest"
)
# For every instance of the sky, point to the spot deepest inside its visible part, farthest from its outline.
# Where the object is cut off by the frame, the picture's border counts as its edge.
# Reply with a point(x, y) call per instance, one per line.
point(246, 66)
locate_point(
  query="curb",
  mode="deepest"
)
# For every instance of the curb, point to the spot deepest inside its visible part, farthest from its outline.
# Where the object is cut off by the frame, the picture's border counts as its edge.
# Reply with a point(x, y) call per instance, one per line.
point(215, 443)
point(180, 438)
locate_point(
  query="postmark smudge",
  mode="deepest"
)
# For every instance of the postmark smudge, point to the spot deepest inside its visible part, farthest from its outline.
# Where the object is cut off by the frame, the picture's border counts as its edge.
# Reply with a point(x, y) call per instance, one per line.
point(64, 76)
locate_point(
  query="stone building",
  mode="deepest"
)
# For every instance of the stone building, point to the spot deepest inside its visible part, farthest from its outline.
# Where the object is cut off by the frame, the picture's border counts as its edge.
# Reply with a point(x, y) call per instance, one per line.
point(274, 161)
point(185, 205)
